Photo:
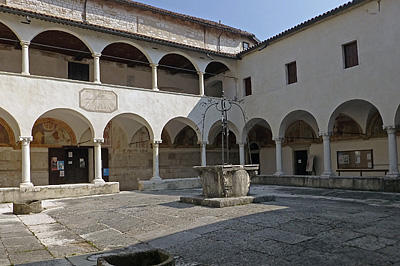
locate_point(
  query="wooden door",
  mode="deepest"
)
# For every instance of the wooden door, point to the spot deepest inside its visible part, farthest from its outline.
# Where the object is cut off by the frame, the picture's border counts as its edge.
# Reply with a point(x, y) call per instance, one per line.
point(300, 162)
point(76, 165)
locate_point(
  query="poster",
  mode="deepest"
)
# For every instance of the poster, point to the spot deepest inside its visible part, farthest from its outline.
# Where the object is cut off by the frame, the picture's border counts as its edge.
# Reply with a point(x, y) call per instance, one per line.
point(62, 173)
point(106, 172)
point(82, 163)
point(54, 166)
point(60, 165)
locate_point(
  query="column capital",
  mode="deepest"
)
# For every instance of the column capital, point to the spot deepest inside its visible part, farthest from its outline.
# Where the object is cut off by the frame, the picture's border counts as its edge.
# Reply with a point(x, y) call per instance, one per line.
point(98, 140)
point(156, 141)
point(325, 134)
point(279, 139)
point(96, 54)
point(25, 43)
point(203, 142)
point(392, 127)
point(26, 138)
point(153, 65)
point(200, 73)
point(241, 143)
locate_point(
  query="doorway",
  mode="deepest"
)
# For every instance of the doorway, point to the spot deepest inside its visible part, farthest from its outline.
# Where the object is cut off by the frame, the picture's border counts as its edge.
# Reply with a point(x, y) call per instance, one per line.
point(68, 165)
point(300, 160)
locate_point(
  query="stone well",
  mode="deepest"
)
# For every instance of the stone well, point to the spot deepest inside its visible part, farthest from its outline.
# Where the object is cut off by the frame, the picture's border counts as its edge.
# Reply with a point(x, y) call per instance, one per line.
point(224, 181)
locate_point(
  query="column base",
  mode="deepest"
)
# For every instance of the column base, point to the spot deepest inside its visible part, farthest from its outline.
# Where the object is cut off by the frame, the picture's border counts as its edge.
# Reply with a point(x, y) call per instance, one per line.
point(155, 89)
point(98, 182)
point(327, 174)
point(26, 185)
point(156, 178)
point(393, 175)
point(279, 173)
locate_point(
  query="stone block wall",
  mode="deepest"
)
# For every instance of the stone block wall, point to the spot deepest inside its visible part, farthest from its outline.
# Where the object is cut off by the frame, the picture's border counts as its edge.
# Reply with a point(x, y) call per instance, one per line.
point(134, 20)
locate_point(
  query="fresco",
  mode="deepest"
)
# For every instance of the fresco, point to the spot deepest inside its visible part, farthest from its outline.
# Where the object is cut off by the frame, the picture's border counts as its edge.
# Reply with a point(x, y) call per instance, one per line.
point(52, 132)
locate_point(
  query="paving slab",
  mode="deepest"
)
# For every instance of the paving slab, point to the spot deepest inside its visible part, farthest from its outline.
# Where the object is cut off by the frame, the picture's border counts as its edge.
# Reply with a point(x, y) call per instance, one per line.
point(302, 226)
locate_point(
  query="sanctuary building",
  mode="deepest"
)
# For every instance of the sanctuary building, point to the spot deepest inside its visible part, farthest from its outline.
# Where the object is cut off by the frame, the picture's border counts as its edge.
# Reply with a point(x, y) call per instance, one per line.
point(116, 90)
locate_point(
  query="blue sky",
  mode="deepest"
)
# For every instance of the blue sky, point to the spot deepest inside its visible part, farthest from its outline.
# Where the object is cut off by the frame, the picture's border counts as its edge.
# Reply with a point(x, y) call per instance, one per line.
point(264, 18)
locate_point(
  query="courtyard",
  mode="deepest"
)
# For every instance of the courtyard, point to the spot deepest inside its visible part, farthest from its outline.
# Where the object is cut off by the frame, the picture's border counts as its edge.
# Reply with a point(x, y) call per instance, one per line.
point(303, 226)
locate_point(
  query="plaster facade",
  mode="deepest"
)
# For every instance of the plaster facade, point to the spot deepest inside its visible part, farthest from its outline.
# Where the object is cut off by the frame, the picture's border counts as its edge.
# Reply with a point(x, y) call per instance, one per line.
point(150, 75)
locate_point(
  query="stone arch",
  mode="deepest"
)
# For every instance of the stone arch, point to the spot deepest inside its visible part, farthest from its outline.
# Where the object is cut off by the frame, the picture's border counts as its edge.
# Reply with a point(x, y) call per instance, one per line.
point(186, 56)
point(175, 126)
point(4, 24)
point(253, 128)
point(296, 116)
point(345, 127)
point(134, 45)
point(178, 73)
point(11, 126)
point(10, 44)
point(63, 31)
point(216, 128)
point(121, 63)
point(69, 120)
point(375, 127)
point(51, 132)
point(217, 82)
point(131, 124)
point(7, 136)
point(359, 110)
point(300, 133)
point(187, 137)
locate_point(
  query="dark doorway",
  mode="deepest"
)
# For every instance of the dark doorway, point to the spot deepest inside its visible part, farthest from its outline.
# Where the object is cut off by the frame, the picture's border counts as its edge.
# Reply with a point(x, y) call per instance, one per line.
point(68, 165)
point(254, 153)
point(76, 165)
point(300, 158)
point(104, 164)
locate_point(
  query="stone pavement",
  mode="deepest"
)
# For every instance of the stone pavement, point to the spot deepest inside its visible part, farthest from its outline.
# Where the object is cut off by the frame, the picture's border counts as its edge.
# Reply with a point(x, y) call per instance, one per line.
point(304, 226)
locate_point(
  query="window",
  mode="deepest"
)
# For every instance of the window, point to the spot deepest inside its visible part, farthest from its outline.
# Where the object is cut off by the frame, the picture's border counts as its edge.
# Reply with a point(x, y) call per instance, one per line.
point(77, 71)
point(350, 54)
point(291, 71)
point(247, 86)
point(245, 45)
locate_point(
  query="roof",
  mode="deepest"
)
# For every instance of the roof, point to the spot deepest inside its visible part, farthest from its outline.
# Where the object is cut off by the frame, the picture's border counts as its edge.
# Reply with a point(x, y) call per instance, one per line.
point(86, 25)
point(200, 21)
point(304, 25)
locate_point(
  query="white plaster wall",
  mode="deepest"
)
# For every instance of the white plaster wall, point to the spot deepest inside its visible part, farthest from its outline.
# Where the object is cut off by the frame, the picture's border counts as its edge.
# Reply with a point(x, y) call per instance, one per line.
point(323, 83)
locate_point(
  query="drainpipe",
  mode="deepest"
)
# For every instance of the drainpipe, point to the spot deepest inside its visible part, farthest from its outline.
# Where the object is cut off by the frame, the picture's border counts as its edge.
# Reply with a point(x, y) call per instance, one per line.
point(84, 11)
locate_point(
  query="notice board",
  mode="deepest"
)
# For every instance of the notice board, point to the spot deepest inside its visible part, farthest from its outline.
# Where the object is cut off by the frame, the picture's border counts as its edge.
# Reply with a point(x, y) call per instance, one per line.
point(355, 159)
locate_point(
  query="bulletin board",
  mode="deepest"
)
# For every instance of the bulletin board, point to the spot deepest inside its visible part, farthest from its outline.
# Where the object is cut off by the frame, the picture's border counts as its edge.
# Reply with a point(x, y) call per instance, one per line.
point(355, 159)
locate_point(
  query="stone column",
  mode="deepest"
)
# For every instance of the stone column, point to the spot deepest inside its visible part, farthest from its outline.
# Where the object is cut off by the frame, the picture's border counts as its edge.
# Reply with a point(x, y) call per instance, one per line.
point(26, 162)
point(242, 158)
point(156, 168)
point(98, 179)
point(154, 77)
point(393, 157)
point(327, 154)
point(96, 67)
point(278, 150)
point(201, 82)
point(203, 153)
point(236, 87)
point(25, 57)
